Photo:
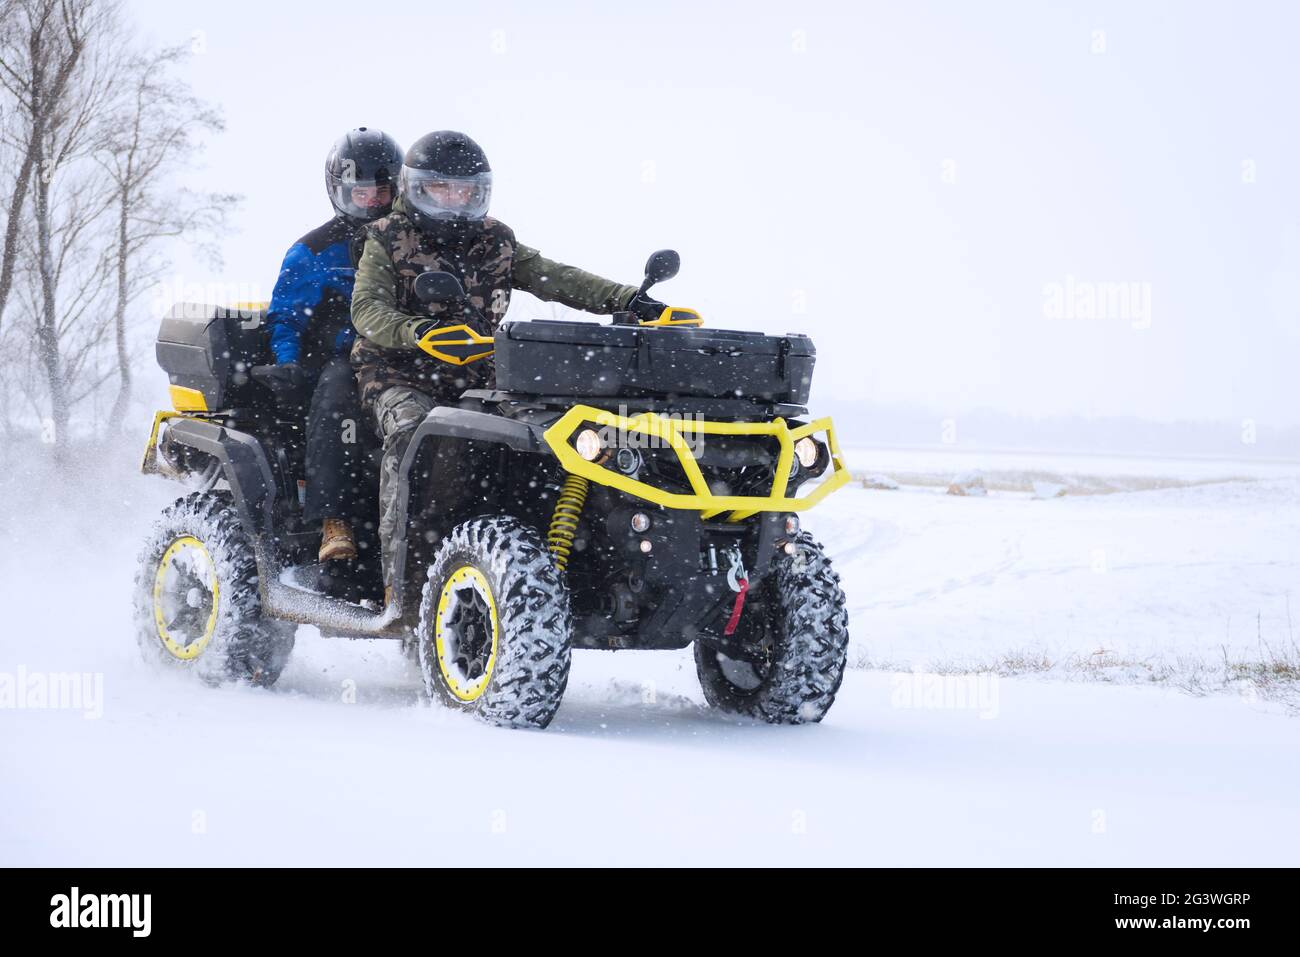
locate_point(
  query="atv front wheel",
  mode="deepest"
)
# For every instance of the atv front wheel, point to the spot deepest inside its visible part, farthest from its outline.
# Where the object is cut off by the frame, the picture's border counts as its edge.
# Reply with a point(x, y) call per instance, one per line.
point(495, 629)
point(196, 598)
point(803, 626)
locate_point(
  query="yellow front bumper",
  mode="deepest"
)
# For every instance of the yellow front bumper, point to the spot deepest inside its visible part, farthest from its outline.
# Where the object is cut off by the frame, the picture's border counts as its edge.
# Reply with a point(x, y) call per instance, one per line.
point(672, 432)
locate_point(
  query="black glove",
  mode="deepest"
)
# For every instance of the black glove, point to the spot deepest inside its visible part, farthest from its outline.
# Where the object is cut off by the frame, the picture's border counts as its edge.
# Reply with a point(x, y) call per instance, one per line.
point(645, 308)
point(468, 316)
point(287, 380)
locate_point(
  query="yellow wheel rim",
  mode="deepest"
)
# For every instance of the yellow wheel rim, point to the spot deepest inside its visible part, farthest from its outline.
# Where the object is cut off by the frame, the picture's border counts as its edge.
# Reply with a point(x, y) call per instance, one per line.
point(466, 633)
point(186, 598)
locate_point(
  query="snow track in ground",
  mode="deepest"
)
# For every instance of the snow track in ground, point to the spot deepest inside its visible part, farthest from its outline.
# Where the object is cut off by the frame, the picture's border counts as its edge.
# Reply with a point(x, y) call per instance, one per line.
point(636, 770)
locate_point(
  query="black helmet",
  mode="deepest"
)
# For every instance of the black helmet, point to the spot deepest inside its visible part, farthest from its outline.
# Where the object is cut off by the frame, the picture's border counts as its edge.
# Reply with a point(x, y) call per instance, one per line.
point(446, 183)
point(362, 159)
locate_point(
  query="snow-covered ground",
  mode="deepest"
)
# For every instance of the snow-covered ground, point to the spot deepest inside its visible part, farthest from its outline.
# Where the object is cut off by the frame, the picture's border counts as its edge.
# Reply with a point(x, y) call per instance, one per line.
point(950, 460)
point(1180, 572)
point(1059, 773)
point(343, 763)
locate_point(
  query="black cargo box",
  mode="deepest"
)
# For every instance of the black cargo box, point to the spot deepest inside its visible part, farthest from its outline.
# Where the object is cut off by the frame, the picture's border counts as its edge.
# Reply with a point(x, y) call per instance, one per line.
point(547, 357)
point(211, 348)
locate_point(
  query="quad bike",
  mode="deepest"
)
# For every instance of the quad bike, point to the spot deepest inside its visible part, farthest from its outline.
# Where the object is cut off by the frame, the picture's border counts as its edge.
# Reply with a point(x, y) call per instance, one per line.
point(631, 485)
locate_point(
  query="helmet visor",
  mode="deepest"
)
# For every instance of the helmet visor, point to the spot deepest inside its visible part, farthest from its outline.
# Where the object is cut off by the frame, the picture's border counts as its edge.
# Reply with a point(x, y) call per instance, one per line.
point(360, 198)
point(439, 196)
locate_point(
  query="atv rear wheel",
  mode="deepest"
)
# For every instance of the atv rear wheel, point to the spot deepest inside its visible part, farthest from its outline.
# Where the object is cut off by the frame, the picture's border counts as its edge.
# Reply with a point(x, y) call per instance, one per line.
point(196, 597)
point(495, 629)
point(805, 628)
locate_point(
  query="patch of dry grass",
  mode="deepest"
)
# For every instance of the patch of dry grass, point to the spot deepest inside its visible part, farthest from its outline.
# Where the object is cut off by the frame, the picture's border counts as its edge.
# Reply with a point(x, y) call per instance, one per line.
point(1025, 480)
point(1272, 676)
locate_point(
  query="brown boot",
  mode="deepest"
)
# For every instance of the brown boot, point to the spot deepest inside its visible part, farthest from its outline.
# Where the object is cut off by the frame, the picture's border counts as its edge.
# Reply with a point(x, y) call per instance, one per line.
point(336, 541)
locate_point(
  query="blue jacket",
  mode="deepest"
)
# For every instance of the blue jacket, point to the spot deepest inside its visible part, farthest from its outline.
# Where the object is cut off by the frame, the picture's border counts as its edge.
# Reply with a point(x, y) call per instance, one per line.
point(310, 316)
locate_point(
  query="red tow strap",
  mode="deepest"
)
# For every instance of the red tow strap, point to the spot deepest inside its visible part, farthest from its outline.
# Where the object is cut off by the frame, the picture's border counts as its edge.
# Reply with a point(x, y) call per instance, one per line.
point(736, 609)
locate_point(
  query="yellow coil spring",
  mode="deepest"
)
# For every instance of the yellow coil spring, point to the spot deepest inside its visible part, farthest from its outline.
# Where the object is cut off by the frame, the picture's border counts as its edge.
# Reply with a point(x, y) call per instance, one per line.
point(564, 520)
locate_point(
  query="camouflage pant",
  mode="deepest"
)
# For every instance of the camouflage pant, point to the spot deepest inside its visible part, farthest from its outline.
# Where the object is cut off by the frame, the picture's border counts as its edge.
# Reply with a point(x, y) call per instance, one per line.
point(398, 410)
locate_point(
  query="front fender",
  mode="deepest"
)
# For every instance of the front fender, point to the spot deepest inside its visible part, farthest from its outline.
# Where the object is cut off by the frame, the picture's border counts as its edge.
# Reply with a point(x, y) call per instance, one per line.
point(455, 423)
point(243, 465)
point(450, 423)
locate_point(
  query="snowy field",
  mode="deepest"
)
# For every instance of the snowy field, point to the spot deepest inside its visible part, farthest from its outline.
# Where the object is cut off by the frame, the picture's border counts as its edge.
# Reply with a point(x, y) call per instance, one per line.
point(342, 763)
point(1202, 560)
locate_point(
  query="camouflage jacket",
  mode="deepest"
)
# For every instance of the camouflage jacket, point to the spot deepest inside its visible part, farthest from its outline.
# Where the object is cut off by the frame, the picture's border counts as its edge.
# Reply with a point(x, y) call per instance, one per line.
point(490, 264)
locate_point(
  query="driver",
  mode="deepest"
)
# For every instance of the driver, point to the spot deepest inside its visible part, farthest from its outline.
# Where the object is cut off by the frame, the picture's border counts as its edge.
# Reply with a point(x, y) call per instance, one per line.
point(439, 222)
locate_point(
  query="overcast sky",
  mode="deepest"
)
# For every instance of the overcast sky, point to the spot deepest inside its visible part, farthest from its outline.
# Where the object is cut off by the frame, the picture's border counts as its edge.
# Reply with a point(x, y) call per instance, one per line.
point(934, 191)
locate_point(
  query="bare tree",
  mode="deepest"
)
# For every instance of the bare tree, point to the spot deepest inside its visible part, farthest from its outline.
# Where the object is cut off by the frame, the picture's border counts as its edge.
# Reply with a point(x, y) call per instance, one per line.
point(41, 46)
point(158, 129)
point(96, 130)
point(58, 64)
point(79, 330)
point(70, 131)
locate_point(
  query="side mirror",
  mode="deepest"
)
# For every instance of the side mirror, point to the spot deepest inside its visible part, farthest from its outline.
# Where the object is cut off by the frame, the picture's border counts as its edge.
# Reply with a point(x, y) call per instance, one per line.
point(438, 287)
point(660, 266)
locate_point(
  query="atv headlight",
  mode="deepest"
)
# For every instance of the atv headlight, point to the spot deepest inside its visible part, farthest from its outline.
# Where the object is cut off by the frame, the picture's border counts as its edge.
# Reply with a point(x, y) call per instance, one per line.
point(806, 450)
point(589, 445)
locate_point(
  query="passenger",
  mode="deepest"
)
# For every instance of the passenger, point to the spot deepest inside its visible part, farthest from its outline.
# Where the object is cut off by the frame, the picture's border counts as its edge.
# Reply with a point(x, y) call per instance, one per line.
point(312, 332)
